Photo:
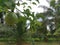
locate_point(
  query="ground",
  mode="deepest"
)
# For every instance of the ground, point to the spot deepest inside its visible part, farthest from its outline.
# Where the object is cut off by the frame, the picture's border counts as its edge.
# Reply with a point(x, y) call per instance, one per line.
point(36, 43)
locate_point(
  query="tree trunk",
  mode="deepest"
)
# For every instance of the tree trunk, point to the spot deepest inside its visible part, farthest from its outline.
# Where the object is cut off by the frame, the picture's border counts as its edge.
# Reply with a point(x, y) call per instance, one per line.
point(19, 42)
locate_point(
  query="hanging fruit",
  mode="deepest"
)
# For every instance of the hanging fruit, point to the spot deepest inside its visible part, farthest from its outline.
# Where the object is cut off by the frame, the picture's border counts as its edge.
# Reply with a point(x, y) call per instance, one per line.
point(11, 18)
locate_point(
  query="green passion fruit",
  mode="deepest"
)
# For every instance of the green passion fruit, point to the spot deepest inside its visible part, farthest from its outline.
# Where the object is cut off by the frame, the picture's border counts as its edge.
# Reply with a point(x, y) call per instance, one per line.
point(11, 18)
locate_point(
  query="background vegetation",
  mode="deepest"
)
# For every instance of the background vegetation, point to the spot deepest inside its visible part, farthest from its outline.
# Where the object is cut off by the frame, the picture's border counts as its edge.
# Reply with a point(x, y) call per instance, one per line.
point(14, 28)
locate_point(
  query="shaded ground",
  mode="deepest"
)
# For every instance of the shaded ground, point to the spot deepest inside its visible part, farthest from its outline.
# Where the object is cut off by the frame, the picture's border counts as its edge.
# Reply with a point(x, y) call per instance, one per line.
point(36, 43)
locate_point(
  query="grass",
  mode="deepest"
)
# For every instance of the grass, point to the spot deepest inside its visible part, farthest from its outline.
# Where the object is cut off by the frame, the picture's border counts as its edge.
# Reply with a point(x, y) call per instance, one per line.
point(47, 43)
point(36, 43)
point(4, 41)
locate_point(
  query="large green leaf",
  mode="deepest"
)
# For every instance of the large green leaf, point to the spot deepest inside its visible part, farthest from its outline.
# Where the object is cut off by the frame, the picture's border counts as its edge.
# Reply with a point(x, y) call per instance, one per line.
point(9, 4)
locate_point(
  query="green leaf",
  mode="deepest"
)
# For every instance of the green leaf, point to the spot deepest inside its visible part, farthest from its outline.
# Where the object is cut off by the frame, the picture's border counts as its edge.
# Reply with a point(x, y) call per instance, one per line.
point(27, 11)
point(38, 23)
point(40, 15)
point(18, 3)
point(8, 4)
point(52, 3)
point(23, 3)
point(29, 7)
point(37, 1)
point(34, 3)
point(1, 9)
point(30, 0)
